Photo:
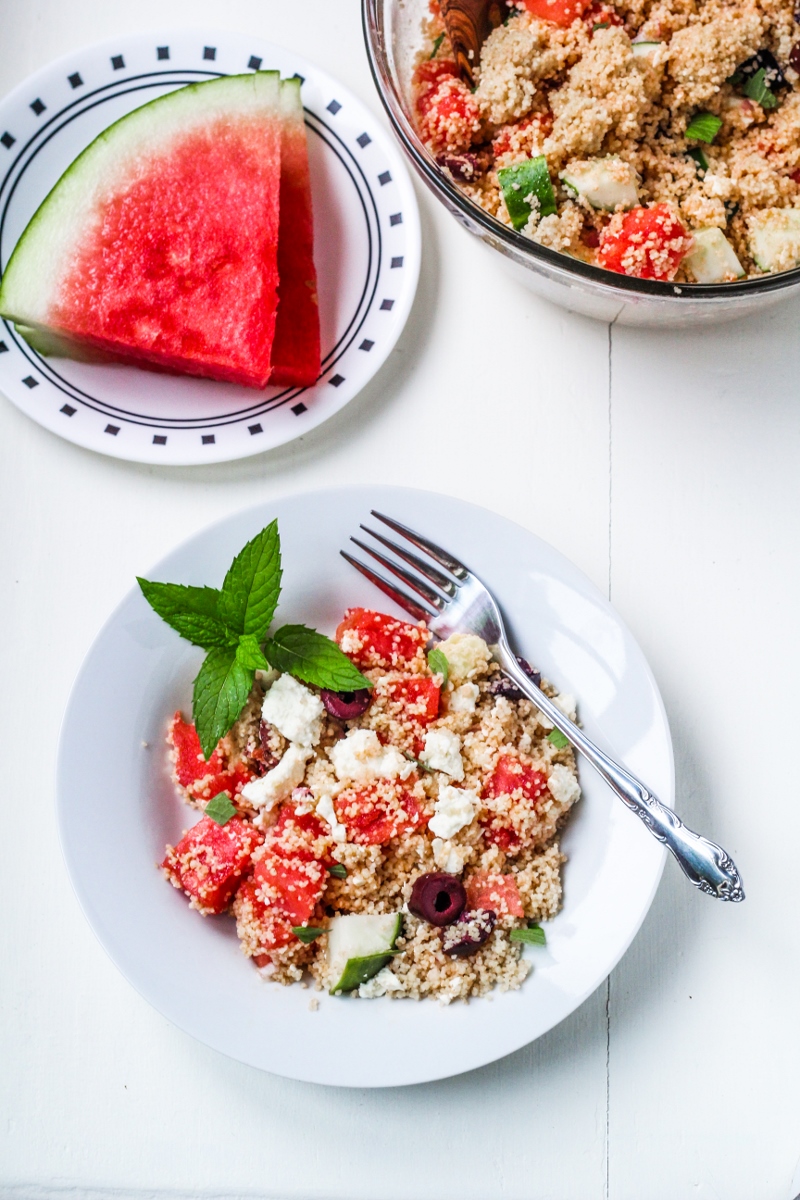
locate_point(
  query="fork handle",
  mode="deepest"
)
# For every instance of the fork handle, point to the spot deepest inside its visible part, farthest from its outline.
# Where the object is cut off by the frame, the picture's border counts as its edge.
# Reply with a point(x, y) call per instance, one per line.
point(706, 865)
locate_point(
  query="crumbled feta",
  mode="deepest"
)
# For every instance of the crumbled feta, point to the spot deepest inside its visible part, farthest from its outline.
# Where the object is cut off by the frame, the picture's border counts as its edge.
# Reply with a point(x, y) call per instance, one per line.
point(453, 810)
point(294, 711)
point(385, 981)
point(326, 810)
point(467, 656)
point(267, 791)
point(442, 752)
point(447, 857)
point(360, 758)
point(562, 785)
point(463, 699)
point(566, 703)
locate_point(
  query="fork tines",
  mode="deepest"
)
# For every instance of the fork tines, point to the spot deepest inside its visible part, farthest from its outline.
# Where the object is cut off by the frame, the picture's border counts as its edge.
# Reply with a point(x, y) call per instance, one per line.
point(419, 580)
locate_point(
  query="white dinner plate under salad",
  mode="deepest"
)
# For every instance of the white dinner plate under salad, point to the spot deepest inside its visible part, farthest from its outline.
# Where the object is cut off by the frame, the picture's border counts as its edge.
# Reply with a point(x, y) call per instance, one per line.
point(367, 251)
point(117, 807)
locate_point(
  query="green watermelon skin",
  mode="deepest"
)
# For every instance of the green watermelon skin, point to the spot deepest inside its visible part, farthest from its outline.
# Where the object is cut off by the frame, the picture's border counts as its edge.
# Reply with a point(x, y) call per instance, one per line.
point(158, 246)
point(296, 351)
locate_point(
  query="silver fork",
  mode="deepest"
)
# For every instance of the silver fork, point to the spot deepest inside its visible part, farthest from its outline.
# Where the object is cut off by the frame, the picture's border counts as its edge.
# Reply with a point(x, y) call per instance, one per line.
point(451, 599)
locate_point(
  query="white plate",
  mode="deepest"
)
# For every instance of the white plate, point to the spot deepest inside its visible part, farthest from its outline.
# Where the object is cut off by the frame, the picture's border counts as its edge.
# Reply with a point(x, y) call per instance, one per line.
point(367, 249)
point(117, 807)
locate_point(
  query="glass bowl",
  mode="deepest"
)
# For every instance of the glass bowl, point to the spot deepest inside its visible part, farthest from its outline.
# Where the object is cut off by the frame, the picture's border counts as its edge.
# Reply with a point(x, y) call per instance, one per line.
point(393, 33)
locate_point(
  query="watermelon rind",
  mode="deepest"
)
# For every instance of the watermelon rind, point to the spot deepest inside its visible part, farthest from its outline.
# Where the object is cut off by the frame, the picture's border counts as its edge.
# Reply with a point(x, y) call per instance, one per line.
point(46, 250)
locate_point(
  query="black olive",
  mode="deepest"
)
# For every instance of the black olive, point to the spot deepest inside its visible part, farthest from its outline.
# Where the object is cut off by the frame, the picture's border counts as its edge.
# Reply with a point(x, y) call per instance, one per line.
point(764, 60)
point(437, 898)
point(472, 929)
point(346, 706)
point(503, 686)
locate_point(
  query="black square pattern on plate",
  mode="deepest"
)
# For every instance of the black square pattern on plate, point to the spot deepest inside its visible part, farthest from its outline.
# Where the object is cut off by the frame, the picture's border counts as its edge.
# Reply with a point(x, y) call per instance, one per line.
point(38, 107)
point(3, 348)
point(334, 107)
point(162, 52)
point(366, 344)
point(255, 63)
point(30, 382)
point(297, 409)
point(398, 261)
point(363, 140)
point(208, 439)
point(75, 80)
point(7, 140)
point(159, 439)
point(384, 178)
point(387, 305)
point(210, 53)
point(68, 410)
point(396, 219)
point(117, 62)
point(112, 429)
point(336, 380)
point(256, 428)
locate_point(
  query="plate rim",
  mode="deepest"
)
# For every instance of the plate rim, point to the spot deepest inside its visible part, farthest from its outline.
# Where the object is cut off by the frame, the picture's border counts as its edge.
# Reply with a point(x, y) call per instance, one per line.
point(85, 903)
point(315, 415)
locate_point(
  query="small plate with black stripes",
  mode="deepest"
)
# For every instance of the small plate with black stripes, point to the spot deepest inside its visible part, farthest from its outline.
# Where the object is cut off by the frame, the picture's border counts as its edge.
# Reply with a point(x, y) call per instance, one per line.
point(367, 251)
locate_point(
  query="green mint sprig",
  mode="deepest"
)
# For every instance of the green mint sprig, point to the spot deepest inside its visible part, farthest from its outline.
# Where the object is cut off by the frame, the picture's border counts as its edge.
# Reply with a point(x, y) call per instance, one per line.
point(436, 44)
point(704, 127)
point(437, 661)
point(308, 933)
point(220, 809)
point(232, 623)
point(557, 739)
point(534, 935)
point(757, 89)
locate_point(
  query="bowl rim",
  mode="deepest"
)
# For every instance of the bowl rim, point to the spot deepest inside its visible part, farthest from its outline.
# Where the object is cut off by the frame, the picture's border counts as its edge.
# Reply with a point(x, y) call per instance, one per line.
point(625, 285)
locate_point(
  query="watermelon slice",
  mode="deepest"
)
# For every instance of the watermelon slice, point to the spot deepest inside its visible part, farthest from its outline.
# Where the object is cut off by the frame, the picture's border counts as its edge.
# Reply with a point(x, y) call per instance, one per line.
point(158, 246)
point(295, 353)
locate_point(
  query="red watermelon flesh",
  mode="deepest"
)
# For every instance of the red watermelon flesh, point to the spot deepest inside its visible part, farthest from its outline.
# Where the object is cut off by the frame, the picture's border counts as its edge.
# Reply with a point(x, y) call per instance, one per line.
point(159, 245)
point(296, 350)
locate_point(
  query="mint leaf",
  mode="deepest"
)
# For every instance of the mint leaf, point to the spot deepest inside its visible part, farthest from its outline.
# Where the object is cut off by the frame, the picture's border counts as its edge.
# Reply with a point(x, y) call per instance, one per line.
point(314, 658)
point(437, 661)
point(533, 936)
point(557, 739)
point(704, 126)
point(307, 933)
point(437, 43)
point(249, 653)
point(191, 611)
point(220, 809)
point(339, 870)
point(220, 691)
point(697, 154)
point(756, 88)
point(252, 586)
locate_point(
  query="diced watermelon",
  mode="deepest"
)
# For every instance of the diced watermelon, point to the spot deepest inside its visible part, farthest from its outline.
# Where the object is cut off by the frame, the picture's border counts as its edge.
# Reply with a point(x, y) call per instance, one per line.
point(496, 893)
point(511, 775)
point(373, 639)
point(202, 780)
point(295, 352)
point(376, 814)
point(289, 878)
point(450, 119)
point(209, 861)
point(419, 697)
point(560, 12)
point(647, 243)
point(158, 245)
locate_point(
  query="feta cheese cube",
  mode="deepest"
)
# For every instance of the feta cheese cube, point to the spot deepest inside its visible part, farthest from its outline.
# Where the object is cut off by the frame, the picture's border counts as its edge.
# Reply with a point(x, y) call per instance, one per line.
point(566, 703)
point(279, 783)
point(326, 810)
point(464, 698)
point(563, 786)
point(453, 810)
point(294, 711)
point(385, 981)
point(442, 752)
point(360, 758)
point(467, 656)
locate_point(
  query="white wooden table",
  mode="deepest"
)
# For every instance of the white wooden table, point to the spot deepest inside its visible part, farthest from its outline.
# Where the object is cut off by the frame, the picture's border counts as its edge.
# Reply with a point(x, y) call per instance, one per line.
point(668, 467)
